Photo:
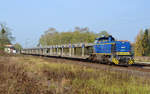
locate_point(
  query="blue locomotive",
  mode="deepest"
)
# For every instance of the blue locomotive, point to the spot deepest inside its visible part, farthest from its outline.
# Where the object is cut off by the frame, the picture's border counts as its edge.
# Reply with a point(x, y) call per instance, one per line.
point(108, 50)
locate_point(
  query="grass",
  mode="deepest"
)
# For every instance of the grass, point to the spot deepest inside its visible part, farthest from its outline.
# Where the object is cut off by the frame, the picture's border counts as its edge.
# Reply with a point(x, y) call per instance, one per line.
point(142, 59)
point(32, 75)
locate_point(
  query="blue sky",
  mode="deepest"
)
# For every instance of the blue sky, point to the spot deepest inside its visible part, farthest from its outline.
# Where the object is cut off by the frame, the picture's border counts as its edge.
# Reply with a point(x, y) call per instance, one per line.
point(28, 19)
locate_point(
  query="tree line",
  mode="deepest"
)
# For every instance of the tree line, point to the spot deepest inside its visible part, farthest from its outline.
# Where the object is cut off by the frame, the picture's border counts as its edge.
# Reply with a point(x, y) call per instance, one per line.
point(142, 43)
point(84, 35)
point(78, 35)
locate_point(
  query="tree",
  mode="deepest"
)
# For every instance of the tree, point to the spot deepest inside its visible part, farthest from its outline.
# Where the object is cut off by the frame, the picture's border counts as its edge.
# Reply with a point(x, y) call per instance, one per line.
point(138, 48)
point(103, 33)
point(18, 47)
point(5, 36)
point(48, 37)
point(145, 43)
point(78, 35)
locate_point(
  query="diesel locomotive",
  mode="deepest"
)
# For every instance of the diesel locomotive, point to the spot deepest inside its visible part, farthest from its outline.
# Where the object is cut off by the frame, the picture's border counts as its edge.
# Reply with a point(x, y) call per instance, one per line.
point(108, 50)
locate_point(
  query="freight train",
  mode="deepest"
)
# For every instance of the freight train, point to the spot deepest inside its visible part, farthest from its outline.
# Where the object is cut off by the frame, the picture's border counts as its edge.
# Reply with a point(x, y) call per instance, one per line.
point(103, 50)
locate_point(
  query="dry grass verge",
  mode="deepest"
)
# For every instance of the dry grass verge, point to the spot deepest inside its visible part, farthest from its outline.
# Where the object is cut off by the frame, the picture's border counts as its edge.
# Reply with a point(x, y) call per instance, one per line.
point(142, 58)
point(32, 75)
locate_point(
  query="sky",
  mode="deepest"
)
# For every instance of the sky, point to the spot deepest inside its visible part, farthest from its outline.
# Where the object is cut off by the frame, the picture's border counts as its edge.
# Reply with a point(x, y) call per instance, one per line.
point(28, 19)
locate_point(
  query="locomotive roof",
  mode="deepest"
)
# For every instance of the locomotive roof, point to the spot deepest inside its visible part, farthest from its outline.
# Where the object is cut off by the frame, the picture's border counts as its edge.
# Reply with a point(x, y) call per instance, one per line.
point(105, 38)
